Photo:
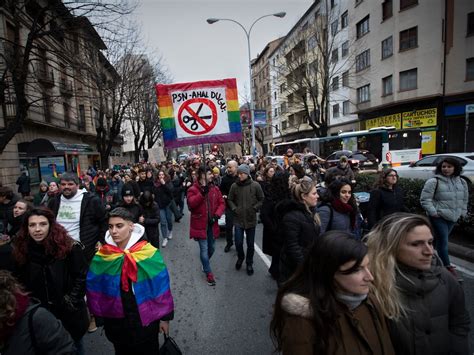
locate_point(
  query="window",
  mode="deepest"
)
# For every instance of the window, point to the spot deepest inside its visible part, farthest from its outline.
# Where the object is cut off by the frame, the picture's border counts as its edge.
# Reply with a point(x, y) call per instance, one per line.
point(363, 60)
point(346, 108)
point(345, 79)
point(469, 69)
point(344, 20)
point(335, 55)
point(334, 27)
point(409, 38)
point(335, 83)
point(387, 47)
point(387, 9)
point(407, 3)
point(408, 79)
point(283, 107)
point(363, 94)
point(275, 113)
point(333, 3)
point(67, 120)
point(387, 86)
point(345, 49)
point(282, 88)
point(335, 110)
point(284, 125)
point(363, 26)
point(470, 24)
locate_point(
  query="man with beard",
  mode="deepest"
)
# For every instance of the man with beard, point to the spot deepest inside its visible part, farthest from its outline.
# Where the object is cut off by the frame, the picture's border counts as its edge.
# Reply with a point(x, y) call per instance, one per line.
point(315, 171)
point(80, 212)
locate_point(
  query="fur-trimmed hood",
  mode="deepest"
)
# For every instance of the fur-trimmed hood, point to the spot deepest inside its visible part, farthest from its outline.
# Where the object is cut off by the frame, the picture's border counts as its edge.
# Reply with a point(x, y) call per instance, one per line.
point(296, 305)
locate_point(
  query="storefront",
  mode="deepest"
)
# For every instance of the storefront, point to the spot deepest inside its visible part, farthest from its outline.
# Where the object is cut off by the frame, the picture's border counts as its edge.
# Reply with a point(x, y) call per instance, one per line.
point(459, 127)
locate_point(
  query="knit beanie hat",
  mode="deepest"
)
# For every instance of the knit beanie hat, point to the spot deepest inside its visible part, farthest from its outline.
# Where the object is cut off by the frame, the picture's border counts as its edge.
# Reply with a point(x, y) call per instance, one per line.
point(243, 168)
point(127, 190)
point(101, 182)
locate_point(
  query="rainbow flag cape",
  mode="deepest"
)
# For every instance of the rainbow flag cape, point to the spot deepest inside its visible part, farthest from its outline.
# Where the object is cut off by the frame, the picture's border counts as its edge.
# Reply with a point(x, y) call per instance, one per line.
point(112, 268)
point(199, 112)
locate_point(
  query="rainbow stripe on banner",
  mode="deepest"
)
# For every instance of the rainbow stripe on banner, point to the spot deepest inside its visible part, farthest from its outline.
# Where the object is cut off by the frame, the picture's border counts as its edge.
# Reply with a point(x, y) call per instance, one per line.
point(110, 271)
point(199, 112)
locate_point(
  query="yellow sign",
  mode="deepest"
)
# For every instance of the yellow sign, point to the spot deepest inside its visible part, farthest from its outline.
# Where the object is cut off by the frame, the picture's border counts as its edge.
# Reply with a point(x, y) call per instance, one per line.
point(420, 118)
point(428, 142)
point(394, 120)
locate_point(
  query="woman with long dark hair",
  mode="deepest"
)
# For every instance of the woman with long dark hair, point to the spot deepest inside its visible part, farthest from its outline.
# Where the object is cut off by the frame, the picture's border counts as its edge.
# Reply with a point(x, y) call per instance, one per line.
point(386, 198)
point(326, 307)
point(339, 210)
point(163, 192)
point(150, 218)
point(53, 268)
point(444, 198)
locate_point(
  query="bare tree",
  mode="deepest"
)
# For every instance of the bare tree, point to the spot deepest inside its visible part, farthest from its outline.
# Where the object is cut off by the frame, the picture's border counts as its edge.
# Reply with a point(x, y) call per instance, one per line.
point(310, 65)
point(23, 68)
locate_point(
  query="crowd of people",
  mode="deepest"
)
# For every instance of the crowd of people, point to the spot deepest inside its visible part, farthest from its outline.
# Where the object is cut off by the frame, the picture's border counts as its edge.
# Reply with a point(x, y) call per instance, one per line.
point(85, 251)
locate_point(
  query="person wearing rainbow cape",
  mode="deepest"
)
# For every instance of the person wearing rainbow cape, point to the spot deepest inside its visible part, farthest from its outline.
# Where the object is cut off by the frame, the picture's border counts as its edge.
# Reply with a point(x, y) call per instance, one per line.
point(128, 286)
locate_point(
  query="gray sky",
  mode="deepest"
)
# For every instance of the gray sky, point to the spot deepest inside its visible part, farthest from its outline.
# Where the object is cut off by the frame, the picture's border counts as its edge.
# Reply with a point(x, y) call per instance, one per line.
point(195, 50)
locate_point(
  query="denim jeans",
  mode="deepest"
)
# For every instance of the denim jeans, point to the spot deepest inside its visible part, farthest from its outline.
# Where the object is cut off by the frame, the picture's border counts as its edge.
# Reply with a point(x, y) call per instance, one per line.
point(166, 221)
point(239, 243)
point(206, 249)
point(229, 226)
point(442, 229)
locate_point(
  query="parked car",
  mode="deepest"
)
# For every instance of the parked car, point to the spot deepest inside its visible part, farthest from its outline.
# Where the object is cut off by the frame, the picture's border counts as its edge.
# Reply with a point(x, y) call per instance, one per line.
point(358, 160)
point(424, 168)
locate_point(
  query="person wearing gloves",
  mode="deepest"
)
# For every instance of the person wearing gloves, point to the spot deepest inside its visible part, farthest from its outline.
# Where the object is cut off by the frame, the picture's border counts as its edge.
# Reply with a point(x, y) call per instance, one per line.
point(245, 199)
point(206, 205)
point(128, 286)
point(445, 198)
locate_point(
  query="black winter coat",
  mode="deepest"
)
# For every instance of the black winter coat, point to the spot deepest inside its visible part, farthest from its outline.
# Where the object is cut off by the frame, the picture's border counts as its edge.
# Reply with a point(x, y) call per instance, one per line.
point(145, 185)
point(268, 219)
point(23, 183)
point(163, 194)
point(93, 222)
point(59, 284)
point(226, 182)
point(437, 321)
point(151, 224)
point(383, 202)
point(51, 338)
point(299, 231)
point(134, 208)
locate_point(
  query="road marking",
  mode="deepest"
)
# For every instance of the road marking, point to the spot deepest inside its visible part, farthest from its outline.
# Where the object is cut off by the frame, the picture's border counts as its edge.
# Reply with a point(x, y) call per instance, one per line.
point(263, 256)
point(464, 270)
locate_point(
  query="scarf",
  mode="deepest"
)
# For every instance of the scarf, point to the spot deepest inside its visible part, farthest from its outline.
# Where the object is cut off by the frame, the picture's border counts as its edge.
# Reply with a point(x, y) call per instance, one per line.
point(345, 208)
point(351, 301)
point(112, 270)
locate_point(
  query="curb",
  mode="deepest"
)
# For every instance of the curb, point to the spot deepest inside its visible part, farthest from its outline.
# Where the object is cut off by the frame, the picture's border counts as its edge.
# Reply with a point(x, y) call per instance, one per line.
point(461, 252)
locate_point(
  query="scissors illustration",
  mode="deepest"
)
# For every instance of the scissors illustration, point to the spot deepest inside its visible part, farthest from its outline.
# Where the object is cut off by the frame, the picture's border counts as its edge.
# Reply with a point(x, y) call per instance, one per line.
point(194, 126)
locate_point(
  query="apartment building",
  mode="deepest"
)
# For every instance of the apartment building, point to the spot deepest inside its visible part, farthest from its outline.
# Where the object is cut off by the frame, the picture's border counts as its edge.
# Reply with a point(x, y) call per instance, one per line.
point(59, 132)
point(261, 95)
point(414, 68)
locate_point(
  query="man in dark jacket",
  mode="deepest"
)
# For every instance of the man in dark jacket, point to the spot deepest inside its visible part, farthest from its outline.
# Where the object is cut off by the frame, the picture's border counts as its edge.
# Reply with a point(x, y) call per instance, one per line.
point(144, 183)
point(245, 199)
point(23, 183)
point(80, 212)
point(227, 180)
point(7, 201)
point(341, 170)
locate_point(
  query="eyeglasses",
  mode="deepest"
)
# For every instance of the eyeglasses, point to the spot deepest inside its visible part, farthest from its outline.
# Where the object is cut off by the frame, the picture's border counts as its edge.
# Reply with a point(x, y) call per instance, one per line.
point(392, 175)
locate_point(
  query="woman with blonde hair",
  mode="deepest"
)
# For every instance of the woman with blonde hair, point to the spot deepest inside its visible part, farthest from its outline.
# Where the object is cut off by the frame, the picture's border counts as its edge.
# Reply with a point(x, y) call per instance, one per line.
point(299, 224)
point(423, 300)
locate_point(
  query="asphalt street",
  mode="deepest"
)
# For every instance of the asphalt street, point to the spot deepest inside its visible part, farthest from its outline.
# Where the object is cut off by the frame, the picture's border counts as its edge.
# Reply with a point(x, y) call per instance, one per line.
point(233, 317)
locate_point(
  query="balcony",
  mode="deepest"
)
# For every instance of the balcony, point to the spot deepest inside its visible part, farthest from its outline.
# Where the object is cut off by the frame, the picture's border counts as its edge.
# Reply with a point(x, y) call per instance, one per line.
point(65, 88)
point(46, 76)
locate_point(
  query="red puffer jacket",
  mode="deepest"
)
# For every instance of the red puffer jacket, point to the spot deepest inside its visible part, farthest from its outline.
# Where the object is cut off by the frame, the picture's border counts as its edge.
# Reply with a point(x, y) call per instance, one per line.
point(198, 205)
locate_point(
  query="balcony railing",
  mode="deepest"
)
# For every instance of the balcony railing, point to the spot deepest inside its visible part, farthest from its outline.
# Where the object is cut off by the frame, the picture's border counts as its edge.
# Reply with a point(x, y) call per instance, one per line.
point(65, 88)
point(46, 77)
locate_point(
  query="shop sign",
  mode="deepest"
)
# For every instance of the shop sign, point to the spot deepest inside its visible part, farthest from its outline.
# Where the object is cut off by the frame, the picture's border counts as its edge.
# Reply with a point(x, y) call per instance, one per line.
point(390, 120)
point(420, 118)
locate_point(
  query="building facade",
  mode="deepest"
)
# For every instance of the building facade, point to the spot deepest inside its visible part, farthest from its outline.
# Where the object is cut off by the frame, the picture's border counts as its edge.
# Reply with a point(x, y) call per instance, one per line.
point(59, 132)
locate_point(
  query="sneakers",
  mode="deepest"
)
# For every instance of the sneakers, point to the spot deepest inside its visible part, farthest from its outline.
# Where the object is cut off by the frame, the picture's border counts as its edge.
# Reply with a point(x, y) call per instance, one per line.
point(227, 247)
point(170, 235)
point(249, 270)
point(92, 326)
point(165, 243)
point(238, 264)
point(210, 279)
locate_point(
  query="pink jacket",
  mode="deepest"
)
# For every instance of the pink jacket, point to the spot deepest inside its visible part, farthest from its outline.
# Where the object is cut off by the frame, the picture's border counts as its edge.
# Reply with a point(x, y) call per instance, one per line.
point(198, 205)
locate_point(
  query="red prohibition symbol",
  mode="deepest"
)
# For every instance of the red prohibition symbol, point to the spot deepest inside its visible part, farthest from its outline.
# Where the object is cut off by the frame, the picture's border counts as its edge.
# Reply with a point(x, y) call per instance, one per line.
point(192, 121)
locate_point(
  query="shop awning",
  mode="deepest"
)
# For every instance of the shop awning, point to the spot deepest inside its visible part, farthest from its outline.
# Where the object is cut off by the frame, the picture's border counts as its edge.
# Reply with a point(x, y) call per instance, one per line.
point(42, 146)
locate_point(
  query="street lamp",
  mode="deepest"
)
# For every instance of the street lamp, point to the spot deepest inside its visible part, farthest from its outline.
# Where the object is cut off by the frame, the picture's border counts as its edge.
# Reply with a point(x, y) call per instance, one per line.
point(247, 33)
